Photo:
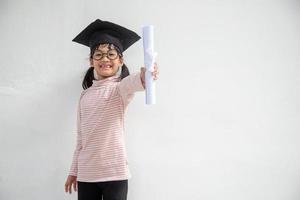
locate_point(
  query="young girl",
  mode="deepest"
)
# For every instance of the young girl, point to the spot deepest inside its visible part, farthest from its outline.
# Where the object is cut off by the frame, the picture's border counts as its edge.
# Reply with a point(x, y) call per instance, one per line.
point(100, 166)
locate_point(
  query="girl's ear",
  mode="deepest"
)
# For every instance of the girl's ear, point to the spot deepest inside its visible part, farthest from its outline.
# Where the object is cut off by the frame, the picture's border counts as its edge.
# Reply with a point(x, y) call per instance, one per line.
point(121, 61)
point(91, 62)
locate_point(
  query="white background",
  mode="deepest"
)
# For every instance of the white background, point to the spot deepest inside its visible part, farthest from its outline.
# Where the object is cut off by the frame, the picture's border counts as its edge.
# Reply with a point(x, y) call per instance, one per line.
point(226, 123)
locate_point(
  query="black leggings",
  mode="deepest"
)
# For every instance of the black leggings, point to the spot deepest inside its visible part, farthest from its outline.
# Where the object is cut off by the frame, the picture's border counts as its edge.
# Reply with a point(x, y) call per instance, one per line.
point(110, 190)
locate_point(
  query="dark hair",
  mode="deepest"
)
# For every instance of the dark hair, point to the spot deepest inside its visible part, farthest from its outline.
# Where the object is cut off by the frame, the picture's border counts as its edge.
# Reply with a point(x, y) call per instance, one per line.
point(89, 75)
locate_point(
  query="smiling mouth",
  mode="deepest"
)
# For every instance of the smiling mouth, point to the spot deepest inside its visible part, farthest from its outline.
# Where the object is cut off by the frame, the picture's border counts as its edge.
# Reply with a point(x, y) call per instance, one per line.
point(105, 66)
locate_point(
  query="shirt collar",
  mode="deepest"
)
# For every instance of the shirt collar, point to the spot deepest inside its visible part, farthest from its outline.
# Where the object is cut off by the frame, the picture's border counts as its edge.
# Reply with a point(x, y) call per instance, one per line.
point(106, 81)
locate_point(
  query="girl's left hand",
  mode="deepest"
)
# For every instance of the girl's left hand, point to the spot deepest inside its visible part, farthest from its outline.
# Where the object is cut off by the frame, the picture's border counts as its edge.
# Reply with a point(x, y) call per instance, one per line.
point(154, 73)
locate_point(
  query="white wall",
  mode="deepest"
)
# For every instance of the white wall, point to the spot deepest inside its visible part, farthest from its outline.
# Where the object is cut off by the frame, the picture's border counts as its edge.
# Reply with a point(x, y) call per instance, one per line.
point(226, 123)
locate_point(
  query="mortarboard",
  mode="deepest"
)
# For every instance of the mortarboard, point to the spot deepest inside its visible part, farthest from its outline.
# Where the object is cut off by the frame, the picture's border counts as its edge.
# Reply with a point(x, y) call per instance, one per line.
point(100, 32)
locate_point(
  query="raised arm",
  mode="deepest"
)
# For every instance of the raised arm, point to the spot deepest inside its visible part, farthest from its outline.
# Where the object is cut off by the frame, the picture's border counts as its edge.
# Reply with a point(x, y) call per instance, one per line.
point(133, 83)
point(129, 85)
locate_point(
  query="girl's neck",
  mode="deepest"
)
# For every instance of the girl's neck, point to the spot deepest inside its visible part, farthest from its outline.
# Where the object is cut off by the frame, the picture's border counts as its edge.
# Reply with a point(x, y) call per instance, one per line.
point(105, 77)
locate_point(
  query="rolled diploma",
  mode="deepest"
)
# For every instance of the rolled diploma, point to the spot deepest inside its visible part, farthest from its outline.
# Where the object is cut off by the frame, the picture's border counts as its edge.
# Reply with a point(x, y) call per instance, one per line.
point(149, 60)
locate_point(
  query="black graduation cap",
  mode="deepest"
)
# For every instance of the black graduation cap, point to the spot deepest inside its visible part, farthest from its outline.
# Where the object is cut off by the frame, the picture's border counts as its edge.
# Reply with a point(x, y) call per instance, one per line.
point(100, 32)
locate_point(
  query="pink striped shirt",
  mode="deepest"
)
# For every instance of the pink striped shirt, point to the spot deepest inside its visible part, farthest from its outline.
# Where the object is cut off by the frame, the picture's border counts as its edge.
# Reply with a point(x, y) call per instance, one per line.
point(100, 153)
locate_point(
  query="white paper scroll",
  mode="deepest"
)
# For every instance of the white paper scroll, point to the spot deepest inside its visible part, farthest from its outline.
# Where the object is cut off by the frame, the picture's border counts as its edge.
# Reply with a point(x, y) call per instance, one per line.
point(149, 60)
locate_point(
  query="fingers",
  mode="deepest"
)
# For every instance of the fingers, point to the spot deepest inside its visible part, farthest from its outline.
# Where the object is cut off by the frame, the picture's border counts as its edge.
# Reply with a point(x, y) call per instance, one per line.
point(75, 186)
point(155, 72)
point(68, 187)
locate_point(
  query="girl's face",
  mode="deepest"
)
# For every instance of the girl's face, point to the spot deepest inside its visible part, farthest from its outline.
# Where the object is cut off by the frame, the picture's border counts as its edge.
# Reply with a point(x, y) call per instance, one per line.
point(106, 61)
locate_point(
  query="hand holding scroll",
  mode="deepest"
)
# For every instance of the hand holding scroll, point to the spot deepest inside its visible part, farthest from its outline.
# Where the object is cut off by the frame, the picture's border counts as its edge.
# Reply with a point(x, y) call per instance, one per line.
point(154, 73)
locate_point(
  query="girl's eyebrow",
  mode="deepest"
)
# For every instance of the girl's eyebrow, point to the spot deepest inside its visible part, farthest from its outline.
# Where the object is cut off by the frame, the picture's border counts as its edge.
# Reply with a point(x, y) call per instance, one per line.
point(97, 50)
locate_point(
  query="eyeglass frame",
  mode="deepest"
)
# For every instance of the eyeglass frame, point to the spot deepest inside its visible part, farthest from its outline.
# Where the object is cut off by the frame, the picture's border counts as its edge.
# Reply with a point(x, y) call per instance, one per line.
point(106, 55)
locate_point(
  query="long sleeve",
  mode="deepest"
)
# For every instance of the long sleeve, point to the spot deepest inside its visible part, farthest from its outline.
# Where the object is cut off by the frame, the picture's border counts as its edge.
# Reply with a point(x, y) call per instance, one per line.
point(74, 166)
point(129, 85)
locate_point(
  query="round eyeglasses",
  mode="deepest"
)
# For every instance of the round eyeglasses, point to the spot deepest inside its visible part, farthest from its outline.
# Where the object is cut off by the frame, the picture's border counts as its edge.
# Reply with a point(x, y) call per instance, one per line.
point(111, 55)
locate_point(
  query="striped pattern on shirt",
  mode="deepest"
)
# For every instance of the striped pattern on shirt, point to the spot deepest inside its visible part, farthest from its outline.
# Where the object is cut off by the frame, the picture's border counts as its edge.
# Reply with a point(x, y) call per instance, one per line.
point(100, 153)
